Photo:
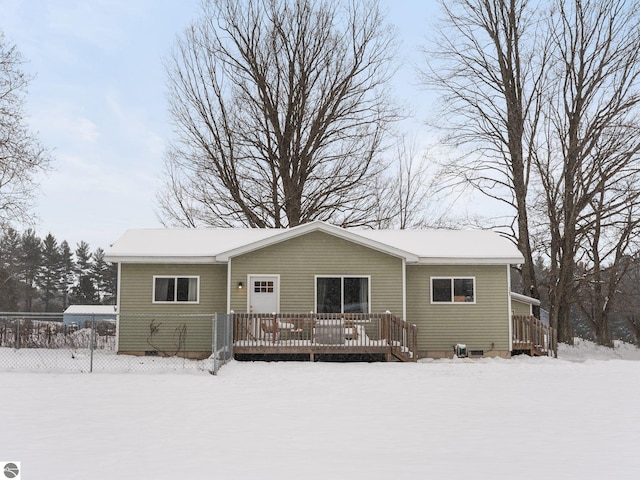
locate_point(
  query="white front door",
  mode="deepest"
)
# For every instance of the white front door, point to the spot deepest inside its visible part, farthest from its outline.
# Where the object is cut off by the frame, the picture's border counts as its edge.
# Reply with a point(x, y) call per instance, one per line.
point(263, 293)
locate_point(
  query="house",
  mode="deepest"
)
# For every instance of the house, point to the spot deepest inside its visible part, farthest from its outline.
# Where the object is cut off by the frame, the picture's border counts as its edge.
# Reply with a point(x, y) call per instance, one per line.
point(315, 287)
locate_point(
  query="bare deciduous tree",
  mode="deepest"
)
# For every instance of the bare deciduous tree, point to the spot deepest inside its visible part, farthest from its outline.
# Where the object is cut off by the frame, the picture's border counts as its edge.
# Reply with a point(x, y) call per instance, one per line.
point(592, 144)
point(614, 227)
point(22, 158)
point(408, 196)
point(488, 65)
point(627, 300)
point(280, 110)
point(548, 102)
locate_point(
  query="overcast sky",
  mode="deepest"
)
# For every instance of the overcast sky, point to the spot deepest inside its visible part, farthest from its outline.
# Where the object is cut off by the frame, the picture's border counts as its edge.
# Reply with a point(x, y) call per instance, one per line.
point(98, 102)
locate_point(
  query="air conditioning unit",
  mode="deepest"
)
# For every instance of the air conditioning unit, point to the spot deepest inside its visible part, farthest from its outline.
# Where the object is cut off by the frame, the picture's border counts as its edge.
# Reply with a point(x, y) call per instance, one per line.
point(460, 350)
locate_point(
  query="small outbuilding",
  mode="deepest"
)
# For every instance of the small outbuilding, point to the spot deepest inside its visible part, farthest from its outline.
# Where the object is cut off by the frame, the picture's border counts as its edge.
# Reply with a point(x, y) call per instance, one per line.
point(81, 316)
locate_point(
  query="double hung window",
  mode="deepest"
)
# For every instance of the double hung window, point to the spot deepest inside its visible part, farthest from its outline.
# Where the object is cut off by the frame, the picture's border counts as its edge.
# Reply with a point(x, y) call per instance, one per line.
point(175, 289)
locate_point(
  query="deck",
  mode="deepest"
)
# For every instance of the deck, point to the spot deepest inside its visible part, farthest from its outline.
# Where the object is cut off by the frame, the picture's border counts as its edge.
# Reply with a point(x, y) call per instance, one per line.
point(324, 334)
point(533, 337)
point(383, 334)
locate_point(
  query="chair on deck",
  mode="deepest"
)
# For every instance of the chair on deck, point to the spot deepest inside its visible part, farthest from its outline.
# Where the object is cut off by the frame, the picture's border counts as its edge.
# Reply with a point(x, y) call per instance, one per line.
point(270, 329)
point(350, 330)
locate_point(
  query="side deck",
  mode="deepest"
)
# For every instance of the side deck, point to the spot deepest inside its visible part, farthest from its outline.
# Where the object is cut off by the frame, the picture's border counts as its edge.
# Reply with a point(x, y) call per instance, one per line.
point(324, 334)
point(533, 337)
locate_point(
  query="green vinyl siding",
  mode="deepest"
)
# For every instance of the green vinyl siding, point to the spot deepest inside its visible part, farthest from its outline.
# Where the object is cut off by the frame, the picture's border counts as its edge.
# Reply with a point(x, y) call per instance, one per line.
point(136, 304)
point(483, 325)
point(520, 308)
point(300, 259)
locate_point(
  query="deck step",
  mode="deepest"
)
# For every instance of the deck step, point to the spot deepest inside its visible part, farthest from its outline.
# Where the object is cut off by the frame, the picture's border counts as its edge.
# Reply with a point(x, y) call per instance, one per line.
point(403, 357)
point(530, 349)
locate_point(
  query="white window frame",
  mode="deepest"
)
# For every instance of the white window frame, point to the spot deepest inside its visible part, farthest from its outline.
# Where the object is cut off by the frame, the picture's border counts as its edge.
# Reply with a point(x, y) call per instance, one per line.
point(452, 301)
point(175, 296)
point(342, 277)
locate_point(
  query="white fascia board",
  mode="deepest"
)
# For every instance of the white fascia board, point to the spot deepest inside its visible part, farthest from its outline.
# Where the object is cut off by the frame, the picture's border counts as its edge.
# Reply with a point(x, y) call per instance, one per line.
point(320, 227)
point(525, 299)
point(156, 259)
point(469, 261)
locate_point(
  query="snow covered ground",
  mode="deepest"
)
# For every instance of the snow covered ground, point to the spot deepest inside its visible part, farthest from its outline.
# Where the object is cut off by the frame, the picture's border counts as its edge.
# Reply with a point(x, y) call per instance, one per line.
point(526, 418)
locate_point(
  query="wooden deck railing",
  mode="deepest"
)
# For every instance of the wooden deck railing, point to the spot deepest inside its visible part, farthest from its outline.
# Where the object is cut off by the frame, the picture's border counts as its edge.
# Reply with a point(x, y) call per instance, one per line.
point(403, 339)
point(533, 336)
point(324, 333)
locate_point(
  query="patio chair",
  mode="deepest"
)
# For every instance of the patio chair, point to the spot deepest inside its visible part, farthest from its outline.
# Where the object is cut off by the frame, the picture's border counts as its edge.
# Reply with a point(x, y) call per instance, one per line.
point(350, 330)
point(269, 328)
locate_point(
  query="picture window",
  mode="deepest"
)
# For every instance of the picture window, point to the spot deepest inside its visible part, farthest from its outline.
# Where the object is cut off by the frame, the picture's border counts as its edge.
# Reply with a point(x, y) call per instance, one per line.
point(342, 294)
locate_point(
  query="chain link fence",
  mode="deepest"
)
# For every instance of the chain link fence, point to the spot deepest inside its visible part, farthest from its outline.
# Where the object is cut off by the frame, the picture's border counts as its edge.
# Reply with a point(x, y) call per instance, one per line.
point(56, 342)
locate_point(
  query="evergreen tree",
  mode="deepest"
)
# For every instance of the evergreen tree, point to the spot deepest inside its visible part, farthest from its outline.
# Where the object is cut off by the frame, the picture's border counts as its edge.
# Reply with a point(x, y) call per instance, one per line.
point(38, 274)
point(50, 272)
point(84, 291)
point(9, 259)
point(67, 273)
point(83, 259)
point(29, 265)
point(105, 277)
point(111, 284)
point(98, 271)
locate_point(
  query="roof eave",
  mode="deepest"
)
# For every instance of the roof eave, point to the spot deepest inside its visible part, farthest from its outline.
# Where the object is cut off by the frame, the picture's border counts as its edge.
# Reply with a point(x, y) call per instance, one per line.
point(123, 258)
point(525, 299)
point(470, 260)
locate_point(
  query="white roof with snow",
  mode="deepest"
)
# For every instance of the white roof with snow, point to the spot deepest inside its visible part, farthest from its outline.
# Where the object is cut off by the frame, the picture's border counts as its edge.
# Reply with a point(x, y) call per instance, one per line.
point(525, 299)
point(219, 244)
point(91, 309)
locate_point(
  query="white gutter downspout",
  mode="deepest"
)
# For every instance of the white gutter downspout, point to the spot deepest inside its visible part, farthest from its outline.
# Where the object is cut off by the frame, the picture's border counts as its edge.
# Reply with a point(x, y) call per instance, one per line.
point(404, 289)
point(229, 285)
point(510, 313)
point(118, 299)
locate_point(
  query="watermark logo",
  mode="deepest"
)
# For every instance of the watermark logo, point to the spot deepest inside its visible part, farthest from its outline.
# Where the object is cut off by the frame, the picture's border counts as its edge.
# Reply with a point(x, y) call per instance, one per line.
point(11, 470)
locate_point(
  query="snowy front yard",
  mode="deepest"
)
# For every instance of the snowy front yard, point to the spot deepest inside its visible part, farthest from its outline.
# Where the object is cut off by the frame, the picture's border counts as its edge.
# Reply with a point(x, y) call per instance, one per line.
point(576, 417)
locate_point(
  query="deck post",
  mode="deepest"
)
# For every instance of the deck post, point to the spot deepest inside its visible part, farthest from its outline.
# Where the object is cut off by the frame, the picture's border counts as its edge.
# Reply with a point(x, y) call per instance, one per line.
point(386, 327)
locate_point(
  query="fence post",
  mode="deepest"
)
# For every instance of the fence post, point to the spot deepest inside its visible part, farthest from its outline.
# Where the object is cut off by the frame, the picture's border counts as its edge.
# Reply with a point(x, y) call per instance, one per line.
point(91, 341)
point(214, 344)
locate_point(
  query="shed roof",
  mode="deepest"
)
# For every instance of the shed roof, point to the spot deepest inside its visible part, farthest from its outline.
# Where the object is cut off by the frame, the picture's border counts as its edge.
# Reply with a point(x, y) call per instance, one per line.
point(219, 244)
point(525, 299)
point(92, 309)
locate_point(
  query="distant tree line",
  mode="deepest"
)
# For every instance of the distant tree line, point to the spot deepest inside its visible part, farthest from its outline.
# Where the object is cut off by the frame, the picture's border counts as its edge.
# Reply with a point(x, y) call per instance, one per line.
point(42, 275)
